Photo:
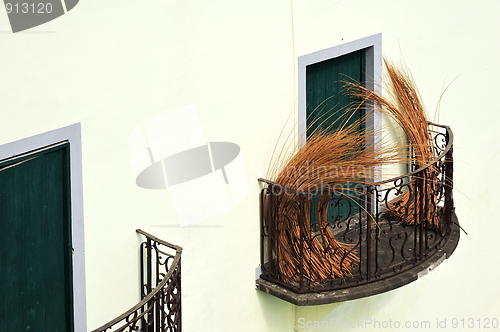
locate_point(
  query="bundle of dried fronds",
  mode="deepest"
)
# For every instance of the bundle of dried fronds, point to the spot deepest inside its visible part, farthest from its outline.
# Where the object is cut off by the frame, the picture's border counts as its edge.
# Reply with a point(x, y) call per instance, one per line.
point(403, 105)
point(321, 260)
point(331, 159)
point(328, 161)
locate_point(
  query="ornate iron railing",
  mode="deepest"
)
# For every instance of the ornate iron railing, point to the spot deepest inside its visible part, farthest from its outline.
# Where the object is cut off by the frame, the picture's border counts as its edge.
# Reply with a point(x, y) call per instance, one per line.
point(366, 234)
point(160, 307)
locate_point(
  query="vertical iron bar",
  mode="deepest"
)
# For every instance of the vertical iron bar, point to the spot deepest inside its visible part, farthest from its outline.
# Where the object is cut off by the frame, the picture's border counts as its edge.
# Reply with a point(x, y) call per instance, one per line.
point(449, 204)
point(141, 263)
point(428, 206)
point(270, 231)
point(157, 298)
point(261, 207)
point(179, 308)
point(301, 244)
point(375, 213)
point(159, 310)
point(368, 232)
point(415, 214)
point(143, 295)
point(423, 198)
point(360, 239)
point(142, 271)
point(148, 283)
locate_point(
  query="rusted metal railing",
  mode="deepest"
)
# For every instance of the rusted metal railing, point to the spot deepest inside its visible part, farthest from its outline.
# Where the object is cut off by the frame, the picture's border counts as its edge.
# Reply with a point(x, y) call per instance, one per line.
point(388, 226)
point(160, 307)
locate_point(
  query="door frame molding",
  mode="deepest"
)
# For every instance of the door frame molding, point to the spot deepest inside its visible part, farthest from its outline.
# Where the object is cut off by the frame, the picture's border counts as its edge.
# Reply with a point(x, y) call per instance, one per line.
point(373, 75)
point(71, 134)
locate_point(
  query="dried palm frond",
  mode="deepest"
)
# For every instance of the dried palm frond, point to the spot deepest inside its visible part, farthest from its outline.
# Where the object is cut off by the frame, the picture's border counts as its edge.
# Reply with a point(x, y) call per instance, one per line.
point(327, 160)
point(342, 156)
point(404, 106)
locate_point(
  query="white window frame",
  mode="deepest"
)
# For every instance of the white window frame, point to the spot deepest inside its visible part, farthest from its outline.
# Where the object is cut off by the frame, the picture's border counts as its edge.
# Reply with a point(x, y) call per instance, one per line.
point(373, 46)
point(71, 134)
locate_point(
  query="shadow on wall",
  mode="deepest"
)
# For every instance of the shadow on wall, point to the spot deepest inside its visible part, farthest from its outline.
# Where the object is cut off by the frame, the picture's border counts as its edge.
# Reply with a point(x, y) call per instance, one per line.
point(350, 315)
point(278, 314)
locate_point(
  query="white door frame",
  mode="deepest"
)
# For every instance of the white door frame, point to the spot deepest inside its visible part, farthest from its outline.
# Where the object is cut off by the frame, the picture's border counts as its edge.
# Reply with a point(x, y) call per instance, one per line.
point(71, 134)
point(373, 46)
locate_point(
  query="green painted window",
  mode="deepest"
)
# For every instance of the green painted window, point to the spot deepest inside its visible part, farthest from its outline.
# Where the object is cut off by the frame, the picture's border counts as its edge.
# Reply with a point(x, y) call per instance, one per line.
point(327, 102)
point(35, 242)
point(326, 98)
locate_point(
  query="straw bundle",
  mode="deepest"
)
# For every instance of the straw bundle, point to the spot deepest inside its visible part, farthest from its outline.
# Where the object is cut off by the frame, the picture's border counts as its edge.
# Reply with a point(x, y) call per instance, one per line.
point(403, 105)
point(315, 165)
point(327, 160)
point(323, 155)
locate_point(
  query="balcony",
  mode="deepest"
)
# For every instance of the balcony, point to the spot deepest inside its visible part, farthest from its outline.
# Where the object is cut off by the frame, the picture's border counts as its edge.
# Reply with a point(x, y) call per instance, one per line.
point(370, 240)
point(160, 305)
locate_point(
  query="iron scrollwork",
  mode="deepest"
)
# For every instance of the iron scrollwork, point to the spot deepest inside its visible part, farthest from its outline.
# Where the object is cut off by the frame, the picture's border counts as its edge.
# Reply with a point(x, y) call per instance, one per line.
point(160, 305)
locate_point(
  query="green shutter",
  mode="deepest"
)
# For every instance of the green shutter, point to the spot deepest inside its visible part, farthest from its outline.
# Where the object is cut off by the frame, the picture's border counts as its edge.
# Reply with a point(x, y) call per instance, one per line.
point(326, 98)
point(35, 243)
point(326, 105)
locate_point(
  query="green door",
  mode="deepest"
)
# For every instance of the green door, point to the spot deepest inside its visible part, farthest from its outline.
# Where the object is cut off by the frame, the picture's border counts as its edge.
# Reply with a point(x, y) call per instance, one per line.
point(36, 291)
point(327, 102)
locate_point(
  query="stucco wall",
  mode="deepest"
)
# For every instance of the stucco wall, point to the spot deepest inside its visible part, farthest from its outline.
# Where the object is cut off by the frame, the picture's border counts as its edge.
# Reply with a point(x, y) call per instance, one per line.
point(112, 65)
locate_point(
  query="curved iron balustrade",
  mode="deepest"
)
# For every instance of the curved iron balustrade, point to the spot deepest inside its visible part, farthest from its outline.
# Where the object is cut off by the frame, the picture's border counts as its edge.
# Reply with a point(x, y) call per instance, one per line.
point(160, 307)
point(388, 226)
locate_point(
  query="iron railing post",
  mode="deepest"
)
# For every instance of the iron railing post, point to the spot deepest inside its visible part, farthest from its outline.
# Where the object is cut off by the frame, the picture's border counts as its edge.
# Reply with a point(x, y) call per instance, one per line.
point(423, 214)
point(375, 218)
point(301, 244)
point(158, 298)
point(143, 294)
point(150, 322)
point(416, 214)
point(270, 232)
point(179, 306)
point(368, 232)
point(262, 240)
point(448, 198)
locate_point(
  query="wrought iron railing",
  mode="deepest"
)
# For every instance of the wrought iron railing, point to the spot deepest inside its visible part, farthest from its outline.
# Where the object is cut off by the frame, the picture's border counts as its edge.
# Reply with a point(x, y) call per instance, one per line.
point(160, 307)
point(335, 240)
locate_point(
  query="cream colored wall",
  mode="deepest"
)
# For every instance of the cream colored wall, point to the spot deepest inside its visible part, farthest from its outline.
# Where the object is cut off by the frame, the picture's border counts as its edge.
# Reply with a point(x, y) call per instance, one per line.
point(112, 65)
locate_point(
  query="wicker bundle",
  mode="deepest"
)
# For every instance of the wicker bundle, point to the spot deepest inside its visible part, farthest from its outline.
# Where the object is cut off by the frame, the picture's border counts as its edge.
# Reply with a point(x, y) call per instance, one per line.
point(326, 152)
point(403, 105)
point(322, 156)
